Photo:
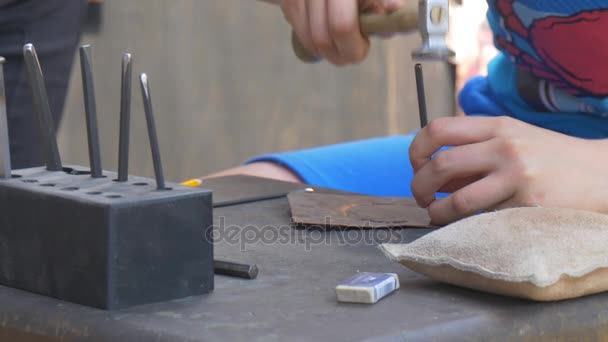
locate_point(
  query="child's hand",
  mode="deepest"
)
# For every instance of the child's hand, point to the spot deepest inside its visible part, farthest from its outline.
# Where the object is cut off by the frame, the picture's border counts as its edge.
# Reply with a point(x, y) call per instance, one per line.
point(330, 28)
point(499, 162)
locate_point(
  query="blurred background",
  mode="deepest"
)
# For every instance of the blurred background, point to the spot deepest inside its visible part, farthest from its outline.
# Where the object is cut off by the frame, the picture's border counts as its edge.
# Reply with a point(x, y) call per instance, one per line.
point(226, 86)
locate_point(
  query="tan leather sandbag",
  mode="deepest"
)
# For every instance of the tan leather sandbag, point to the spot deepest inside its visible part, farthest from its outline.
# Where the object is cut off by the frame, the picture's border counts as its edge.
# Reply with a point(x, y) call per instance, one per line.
point(543, 254)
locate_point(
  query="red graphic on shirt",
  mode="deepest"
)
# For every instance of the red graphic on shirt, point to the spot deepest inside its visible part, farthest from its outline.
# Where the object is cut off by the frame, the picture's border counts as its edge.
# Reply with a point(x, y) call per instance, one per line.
point(573, 50)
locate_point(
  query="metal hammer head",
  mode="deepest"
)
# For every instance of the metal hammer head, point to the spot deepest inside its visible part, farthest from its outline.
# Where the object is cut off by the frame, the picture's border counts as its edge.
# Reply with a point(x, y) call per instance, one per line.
point(433, 23)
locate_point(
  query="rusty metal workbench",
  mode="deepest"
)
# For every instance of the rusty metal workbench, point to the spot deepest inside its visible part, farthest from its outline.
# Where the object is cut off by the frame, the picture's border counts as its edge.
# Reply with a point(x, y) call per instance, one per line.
point(293, 298)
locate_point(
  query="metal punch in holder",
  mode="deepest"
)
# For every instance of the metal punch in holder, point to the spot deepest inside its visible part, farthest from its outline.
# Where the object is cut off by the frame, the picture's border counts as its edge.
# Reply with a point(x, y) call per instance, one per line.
point(99, 238)
point(5, 152)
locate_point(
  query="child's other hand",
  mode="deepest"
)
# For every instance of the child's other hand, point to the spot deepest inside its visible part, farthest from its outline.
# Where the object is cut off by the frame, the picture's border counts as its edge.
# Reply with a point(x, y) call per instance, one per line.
point(500, 162)
point(330, 28)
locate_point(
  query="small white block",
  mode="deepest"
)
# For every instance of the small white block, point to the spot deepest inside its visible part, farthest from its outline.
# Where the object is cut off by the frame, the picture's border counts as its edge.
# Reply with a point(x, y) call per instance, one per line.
point(367, 288)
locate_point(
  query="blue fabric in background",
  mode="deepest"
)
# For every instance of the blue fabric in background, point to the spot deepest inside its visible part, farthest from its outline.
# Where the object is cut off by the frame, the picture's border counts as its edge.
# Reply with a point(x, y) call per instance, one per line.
point(498, 95)
point(375, 167)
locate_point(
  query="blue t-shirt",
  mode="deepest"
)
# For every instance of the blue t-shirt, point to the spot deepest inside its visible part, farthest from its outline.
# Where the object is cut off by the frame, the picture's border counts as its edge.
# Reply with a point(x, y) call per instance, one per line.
point(552, 72)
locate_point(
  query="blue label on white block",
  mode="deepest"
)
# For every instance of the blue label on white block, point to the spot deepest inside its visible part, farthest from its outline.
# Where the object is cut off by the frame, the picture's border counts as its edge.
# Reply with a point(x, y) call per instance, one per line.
point(366, 279)
point(381, 283)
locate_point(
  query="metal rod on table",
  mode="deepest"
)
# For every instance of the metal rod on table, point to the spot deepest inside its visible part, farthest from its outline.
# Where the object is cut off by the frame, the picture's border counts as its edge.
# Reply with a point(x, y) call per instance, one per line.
point(233, 269)
point(90, 107)
point(147, 98)
point(42, 108)
point(5, 148)
point(252, 199)
point(125, 118)
point(421, 95)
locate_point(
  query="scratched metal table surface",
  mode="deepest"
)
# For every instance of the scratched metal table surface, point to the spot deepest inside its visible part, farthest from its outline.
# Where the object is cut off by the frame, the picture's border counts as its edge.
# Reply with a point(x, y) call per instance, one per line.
point(293, 298)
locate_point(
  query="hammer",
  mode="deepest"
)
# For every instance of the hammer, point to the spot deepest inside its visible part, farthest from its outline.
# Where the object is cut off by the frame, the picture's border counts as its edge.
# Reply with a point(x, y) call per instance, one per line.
point(431, 19)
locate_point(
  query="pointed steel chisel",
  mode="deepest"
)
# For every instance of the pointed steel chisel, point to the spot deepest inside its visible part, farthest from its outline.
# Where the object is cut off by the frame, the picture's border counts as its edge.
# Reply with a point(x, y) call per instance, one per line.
point(125, 118)
point(5, 148)
point(42, 108)
point(158, 166)
point(421, 95)
point(90, 108)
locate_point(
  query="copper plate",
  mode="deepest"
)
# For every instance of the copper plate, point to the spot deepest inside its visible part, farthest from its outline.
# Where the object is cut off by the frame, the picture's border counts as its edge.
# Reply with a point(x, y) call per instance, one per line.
point(356, 211)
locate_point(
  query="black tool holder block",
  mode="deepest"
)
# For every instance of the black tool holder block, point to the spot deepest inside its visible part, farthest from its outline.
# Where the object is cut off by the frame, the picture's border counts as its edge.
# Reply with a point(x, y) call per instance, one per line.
point(102, 243)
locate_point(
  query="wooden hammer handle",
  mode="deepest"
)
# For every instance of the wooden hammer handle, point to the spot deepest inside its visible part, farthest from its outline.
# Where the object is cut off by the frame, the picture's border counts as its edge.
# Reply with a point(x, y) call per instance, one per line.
point(402, 20)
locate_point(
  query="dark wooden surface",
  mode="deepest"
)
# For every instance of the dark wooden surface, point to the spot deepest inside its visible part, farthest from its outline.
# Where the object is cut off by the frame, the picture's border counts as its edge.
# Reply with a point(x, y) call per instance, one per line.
point(226, 86)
